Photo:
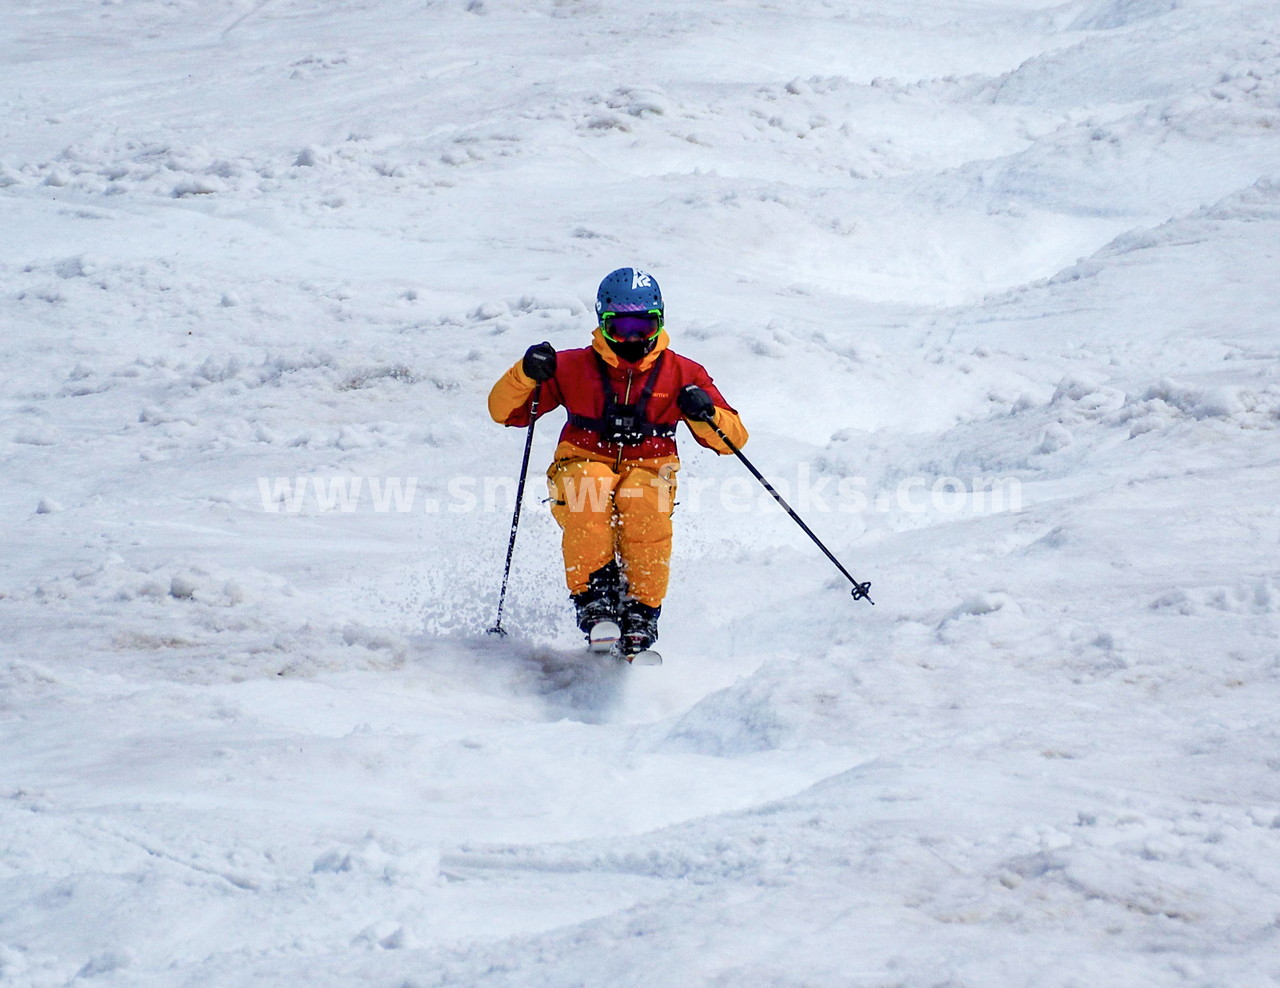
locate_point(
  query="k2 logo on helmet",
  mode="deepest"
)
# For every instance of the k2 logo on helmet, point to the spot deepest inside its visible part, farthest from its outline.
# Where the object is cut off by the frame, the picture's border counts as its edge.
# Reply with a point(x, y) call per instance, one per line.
point(640, 280)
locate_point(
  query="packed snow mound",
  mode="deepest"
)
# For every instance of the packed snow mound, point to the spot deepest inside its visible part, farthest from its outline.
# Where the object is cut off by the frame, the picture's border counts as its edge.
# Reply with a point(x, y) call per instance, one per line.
point(1108, 15)
point(993, 287)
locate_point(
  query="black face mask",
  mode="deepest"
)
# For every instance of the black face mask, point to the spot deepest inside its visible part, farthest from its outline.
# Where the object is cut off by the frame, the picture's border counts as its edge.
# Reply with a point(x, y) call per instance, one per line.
point(632, 351)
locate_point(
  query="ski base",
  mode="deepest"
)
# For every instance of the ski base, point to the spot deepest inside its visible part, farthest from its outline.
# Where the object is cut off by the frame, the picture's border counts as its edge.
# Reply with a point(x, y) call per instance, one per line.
point(604, 636)
point(645, 657)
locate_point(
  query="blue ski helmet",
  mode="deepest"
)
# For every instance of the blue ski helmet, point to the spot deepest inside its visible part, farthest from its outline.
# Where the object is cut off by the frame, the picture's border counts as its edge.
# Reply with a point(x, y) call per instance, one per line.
point(628, 290)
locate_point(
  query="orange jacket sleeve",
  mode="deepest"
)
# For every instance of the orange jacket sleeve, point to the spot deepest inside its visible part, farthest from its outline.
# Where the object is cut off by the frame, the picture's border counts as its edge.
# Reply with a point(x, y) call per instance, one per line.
point(510, 398)
point(726, 418)
point(728, 422)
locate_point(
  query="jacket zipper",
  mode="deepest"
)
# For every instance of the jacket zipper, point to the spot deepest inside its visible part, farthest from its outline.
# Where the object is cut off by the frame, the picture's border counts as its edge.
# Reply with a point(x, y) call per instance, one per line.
point(626, 400)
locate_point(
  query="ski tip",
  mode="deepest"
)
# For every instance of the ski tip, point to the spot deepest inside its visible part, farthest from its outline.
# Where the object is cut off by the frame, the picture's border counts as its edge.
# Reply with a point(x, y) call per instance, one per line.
point(604, 637)
point(646, 657)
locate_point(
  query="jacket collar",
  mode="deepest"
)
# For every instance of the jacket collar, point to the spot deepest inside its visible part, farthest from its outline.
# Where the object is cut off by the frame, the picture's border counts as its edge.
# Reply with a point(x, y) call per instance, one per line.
point(601, 346)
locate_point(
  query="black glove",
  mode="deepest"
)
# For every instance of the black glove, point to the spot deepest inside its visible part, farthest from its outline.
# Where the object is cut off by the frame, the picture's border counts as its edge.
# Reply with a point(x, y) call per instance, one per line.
point(540, 362)
point(696, 404)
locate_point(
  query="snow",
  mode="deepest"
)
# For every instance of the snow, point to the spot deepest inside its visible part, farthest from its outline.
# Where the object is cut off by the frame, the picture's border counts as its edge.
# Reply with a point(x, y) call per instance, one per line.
point(992, 283)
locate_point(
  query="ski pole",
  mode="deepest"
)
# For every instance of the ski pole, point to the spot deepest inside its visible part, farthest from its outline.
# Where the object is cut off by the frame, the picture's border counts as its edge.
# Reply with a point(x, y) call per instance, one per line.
point(860, 591)
point(515, 517)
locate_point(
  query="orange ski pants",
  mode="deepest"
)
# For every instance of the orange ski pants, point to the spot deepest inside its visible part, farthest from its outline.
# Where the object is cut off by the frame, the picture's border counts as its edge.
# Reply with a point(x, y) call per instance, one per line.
point(609, 515)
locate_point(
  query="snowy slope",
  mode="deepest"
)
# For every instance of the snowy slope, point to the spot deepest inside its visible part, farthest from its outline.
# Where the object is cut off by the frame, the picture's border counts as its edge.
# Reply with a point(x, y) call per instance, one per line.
point(934, 252)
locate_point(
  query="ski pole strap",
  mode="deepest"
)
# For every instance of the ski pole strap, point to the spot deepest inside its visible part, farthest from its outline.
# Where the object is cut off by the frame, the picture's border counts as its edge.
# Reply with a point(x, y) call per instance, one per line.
point(861, 591)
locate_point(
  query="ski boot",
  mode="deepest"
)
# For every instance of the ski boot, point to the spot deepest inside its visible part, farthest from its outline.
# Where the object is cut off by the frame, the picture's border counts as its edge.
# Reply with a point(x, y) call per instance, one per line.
point(597, 609)
point(639, 632)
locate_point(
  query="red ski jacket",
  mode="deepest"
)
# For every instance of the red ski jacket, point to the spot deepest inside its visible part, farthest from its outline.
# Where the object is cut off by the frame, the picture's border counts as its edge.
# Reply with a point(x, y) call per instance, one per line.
point(650, 386)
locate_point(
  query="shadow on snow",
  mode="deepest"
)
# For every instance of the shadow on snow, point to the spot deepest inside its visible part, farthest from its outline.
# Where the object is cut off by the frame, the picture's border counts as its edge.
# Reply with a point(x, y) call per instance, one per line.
point(571, 683)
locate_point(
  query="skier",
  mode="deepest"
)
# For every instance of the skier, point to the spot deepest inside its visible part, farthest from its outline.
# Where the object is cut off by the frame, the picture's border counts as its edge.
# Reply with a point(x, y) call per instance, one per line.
point(612, 480)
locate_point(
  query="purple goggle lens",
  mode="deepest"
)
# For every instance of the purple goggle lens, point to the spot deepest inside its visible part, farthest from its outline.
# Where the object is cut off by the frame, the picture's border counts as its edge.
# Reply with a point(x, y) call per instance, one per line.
point(629, 326)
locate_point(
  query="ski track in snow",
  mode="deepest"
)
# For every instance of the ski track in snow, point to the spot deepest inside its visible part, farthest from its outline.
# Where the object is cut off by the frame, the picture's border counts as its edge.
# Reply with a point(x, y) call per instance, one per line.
point(1000, 239)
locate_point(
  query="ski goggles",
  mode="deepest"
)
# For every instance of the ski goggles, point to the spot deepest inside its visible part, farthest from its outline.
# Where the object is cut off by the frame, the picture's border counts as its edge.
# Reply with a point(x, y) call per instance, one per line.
point(619, 327)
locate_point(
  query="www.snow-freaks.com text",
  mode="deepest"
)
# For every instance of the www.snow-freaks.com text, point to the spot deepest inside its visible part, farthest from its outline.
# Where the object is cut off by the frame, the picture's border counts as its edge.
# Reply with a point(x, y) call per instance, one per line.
point(806, 492)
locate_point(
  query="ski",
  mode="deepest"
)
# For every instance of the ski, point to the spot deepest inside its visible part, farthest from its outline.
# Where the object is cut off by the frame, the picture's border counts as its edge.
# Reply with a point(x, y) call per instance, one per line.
point(604, 636)
point(644, 657)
